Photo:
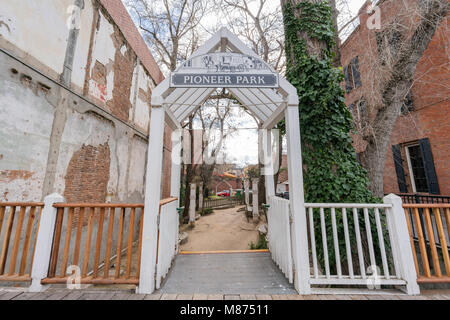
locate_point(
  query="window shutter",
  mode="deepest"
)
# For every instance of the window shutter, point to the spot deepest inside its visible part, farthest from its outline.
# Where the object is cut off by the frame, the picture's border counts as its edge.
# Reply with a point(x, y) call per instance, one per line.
point(428, 163)
point(398, 162)
point(348, 86)
point(356, 74)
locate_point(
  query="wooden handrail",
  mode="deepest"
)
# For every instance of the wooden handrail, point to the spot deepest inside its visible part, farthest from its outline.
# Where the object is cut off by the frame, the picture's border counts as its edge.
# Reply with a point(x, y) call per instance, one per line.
point(98, 205)
point(167, 201)
point(425, 205)
point(21, 204)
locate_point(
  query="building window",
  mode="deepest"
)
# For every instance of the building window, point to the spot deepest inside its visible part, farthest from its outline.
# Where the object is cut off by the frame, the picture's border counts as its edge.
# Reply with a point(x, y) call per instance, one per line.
point(420, 164)
point(416, 169)
point(352, 75)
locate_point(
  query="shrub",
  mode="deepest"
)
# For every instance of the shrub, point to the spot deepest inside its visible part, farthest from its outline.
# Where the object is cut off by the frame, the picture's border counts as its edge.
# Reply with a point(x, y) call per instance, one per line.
point(261, 244)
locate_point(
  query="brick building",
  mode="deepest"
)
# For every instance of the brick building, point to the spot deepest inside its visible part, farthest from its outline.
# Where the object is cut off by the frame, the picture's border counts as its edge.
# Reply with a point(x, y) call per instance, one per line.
point(74, 102)
point(418, 159)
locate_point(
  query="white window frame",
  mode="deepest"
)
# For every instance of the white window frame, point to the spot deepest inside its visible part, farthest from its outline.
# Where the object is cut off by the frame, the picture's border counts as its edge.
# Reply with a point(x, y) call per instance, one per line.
point(411, 173)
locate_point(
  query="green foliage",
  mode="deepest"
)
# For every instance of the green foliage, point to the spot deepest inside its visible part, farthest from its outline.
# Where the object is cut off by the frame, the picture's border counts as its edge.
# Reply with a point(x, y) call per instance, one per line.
point(331, 172)
point(206, 211)
point(261, 244)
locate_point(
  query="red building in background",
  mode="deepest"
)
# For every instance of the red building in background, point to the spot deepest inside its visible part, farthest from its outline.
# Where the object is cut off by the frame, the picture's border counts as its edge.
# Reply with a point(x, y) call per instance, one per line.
point(418, 159)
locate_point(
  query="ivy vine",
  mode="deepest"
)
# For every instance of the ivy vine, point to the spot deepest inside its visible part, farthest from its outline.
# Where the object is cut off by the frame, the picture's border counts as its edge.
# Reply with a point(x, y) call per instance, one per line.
point(331, 172)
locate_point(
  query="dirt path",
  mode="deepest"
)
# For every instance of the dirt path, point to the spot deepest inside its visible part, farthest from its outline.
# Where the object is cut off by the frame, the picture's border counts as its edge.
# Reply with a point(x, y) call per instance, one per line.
point(225, 229)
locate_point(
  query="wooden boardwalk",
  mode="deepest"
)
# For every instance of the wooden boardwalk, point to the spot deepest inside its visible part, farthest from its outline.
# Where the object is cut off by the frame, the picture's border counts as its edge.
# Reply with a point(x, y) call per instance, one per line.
point(64, 294)
point(226, 274)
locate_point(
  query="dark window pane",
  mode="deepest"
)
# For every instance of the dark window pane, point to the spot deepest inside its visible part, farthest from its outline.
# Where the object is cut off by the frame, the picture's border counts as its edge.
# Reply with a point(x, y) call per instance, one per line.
point(348, 79)
point(356, 74)
point(418, 169)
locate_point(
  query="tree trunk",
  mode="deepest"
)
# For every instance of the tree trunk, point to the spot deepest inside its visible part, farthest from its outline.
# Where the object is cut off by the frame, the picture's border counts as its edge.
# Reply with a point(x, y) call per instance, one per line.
point(337, 40)
point(189, 173)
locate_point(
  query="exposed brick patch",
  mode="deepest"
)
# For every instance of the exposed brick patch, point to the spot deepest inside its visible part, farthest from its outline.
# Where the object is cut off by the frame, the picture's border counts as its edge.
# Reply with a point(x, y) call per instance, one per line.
point(88, 175)
point(167, 162)
point(120, 15)
point(99, 73)
point(124, 65)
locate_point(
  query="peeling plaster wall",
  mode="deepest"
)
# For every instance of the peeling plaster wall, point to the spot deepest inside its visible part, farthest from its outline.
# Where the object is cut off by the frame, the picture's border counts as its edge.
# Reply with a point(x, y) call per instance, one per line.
point(26, 116)
point(101, 121)
point(101, 86)
point(45, 43)
point(83, 45)
point(143, 95)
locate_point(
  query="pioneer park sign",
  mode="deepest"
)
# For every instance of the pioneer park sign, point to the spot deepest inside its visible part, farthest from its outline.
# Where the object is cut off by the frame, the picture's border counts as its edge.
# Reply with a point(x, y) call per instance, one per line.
point(224, 69)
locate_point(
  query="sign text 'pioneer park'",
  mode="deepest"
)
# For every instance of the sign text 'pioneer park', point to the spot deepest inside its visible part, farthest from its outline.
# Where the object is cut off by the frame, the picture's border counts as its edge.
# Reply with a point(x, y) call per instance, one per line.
point(225, 70)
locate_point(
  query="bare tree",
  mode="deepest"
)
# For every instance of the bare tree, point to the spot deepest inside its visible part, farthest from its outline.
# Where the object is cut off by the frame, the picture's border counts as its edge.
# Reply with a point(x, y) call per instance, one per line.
point(213, 124)
point(171, 27)
point(393, 56)
point(260, 24)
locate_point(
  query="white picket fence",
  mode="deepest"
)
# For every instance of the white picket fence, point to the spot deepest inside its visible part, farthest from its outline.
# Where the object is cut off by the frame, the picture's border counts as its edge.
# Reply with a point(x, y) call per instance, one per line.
point(357, 222)
point(279, 235)
point(168, 237)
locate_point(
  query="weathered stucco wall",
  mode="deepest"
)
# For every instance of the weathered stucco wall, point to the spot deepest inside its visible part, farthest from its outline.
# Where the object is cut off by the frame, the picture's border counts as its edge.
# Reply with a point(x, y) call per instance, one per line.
point(37, 28)
point(85, 138)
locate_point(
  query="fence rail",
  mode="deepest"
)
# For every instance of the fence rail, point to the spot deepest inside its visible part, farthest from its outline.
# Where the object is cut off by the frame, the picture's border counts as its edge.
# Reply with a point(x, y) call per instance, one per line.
point(89, 238)
point(423, 198)
point(226, 201)
point(345, 232)
point(429, 237)
point(20, 222)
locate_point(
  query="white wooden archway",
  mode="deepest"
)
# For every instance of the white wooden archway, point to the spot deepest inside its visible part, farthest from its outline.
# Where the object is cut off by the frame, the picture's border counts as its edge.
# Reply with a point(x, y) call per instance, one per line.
point(223, 62)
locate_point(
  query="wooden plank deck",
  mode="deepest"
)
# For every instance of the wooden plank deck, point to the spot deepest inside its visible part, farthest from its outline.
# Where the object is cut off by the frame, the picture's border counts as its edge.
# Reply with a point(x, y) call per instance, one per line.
point(90, 294)
point(227, 274)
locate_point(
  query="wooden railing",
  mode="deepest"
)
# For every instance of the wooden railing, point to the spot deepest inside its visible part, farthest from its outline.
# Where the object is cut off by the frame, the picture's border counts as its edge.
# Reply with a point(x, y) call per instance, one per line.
point(90, 238)
point(353, 231)
point(221, 202)
point(423, 198)
point(429, 237)
point(19, 222)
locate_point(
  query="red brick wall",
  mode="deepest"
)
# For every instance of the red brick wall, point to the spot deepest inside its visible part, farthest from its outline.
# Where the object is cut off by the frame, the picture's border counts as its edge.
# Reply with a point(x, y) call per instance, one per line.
point(123, 20)
point(88, 174)
point(431, 92)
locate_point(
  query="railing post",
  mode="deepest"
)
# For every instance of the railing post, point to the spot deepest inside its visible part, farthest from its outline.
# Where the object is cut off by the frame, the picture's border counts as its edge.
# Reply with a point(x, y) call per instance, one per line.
point(246, 193)
point(255, 198)
point(192, 204)
point(400, 243)
point(44, 242)
point(200, 196)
